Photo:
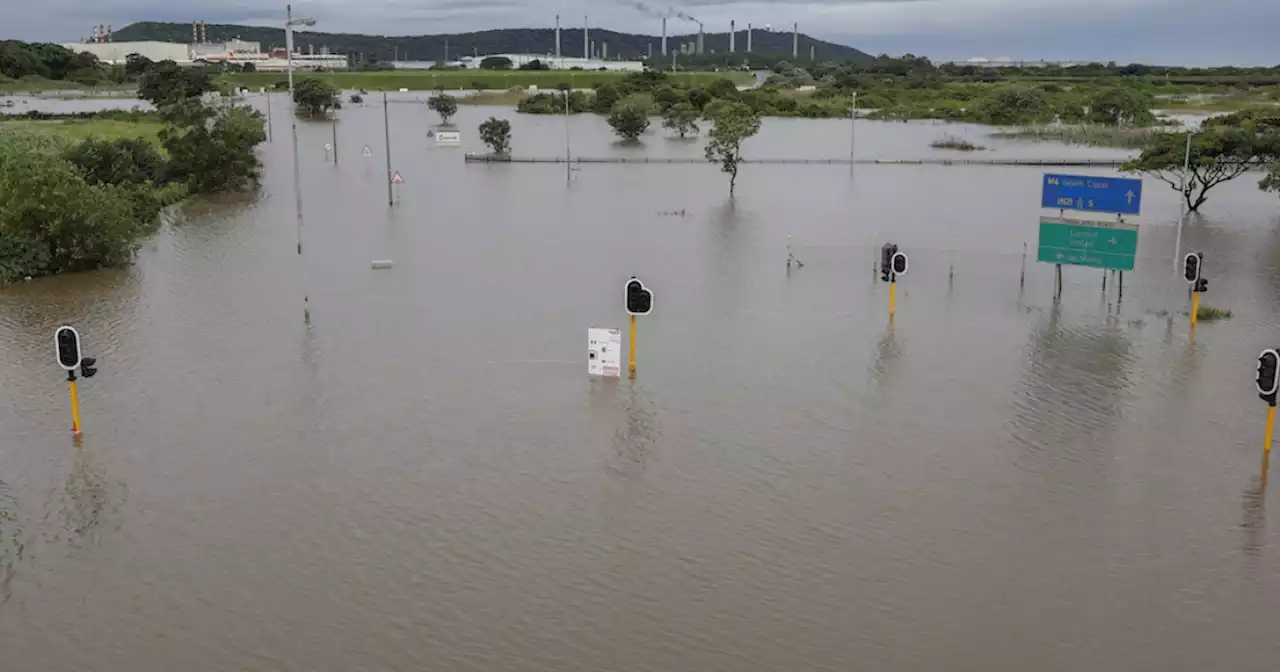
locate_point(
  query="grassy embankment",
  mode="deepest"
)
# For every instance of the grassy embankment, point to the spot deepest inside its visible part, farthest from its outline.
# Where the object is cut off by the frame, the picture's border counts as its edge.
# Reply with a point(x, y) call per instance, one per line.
point(83, 129)
point(492, 80)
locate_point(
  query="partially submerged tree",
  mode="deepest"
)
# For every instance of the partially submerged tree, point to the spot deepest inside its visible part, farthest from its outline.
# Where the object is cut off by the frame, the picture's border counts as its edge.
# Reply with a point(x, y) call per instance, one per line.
point(496, 133)
point(681, 118)
point(315, 96)
point(628, 120)
point(1221, 151)
point(734, 123)
point(444, 105)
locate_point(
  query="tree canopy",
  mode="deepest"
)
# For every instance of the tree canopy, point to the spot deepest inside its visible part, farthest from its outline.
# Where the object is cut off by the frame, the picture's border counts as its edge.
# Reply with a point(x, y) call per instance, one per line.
point(629, 119)
point(166, 82)
point(681, 118)
point(1222, 150)
point(315, 96)
point(444, 105)
point(496, 133)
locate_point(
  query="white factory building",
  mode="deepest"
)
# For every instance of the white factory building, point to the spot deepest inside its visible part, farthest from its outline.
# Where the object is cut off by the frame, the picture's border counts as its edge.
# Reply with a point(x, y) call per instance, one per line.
point(236, 52)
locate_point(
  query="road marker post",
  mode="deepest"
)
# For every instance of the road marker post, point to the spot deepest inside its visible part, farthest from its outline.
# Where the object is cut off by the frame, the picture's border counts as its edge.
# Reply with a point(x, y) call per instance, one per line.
point(1267, 382)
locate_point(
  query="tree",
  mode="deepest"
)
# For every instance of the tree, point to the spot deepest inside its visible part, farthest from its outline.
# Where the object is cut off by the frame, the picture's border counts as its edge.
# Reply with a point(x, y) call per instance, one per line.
point(734, 123)
point(165, 83)
point(496, 63)
point(535, 64)
point(628, 119)
point(315, 96)
point(607, 95)
point(212, 149)
point(136, 64)
point(496, 133)
point(1219, 153)
point(444, 105)
point(681, 118)
point(1121, 106)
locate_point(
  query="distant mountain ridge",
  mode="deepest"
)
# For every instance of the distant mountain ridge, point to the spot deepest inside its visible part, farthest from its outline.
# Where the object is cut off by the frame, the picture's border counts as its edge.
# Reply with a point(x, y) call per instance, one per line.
point(507, 40)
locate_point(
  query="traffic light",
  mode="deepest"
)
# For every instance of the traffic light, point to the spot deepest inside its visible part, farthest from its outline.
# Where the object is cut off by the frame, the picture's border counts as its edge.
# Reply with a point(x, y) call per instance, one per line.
point(1202, 285)
point(1191, 270)
point(66, 341)
point(1268, 375)
point(899, 263)
point(886, 260)
point(86, 366)
point(639, 299)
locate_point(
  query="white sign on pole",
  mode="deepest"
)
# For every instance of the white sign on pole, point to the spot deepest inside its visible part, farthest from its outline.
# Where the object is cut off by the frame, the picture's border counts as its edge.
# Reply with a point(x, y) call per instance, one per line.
point(328, 147)
point(448, 138)
point(366, 152)
point(397, 179)
point(604, 352)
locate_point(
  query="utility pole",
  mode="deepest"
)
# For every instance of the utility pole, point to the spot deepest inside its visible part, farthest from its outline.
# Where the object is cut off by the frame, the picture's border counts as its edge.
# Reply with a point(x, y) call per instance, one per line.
point(1186, 168)
point(853, 128)
point(386, 127)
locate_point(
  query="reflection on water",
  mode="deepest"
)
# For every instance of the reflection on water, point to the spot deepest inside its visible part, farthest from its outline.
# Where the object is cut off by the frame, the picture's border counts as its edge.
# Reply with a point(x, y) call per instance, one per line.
point(12, 542)
point(633, 441)
point(87, 500)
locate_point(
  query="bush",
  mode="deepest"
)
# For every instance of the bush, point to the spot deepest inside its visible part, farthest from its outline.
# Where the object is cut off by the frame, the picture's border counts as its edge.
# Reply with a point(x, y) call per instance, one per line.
point(53, 221)
point(496, 133)
point(629, 119)
point(120, 162)
point(314, 96)
point(212, 149)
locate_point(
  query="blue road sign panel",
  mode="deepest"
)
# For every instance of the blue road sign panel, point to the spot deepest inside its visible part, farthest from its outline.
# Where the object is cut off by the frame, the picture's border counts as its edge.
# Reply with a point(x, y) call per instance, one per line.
point(1090, 193)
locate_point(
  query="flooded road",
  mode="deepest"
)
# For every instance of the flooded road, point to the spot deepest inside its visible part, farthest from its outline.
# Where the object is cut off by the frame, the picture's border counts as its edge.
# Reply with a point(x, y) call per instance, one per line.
point(426, 478)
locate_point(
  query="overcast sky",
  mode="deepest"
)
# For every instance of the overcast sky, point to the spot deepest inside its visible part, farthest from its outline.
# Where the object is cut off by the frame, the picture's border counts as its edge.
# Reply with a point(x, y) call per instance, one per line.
point(1203, 32)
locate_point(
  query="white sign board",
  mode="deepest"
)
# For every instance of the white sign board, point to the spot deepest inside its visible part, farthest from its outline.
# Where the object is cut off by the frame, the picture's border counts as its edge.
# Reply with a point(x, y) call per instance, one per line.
point(448, 138)
point(604, 352)
point(397, 179)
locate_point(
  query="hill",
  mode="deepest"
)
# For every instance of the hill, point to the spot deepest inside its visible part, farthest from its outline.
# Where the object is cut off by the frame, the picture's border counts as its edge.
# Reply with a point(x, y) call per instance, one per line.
point(510, 40)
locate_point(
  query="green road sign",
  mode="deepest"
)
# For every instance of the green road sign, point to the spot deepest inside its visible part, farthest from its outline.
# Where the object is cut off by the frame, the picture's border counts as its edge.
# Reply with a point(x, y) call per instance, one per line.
point(1079, 242)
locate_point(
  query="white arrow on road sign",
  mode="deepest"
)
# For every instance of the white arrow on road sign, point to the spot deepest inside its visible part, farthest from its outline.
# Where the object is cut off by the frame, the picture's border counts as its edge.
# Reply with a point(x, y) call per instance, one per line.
point(1114, 241)
point(1129, 196)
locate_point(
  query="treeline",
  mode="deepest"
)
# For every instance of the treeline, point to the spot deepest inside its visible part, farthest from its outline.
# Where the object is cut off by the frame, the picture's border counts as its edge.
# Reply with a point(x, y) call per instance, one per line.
point(20, 60)
point(656, 93)
point(73, 206)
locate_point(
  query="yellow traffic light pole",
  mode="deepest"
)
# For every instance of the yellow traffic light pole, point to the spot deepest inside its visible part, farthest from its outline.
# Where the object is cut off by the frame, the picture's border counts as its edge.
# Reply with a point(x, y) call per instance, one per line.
point(893, 299)
point(1271, 425)
point(631, 365)
point(75, 403)
point(1195, 307)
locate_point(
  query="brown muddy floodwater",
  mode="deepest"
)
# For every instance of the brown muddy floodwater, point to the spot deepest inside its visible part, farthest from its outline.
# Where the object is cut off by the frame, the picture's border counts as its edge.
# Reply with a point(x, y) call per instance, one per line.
point(425, 478)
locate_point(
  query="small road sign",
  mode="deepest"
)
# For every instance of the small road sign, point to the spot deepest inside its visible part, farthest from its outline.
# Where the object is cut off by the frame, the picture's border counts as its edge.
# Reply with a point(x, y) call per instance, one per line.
point(366, 152)
point(397, 179)
point(1090, 193)
point(604, 352)
point(1110, 245)
point(448, 138)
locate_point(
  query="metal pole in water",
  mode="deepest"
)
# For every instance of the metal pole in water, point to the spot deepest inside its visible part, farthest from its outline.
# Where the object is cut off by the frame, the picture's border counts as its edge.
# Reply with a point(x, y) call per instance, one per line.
point(568, 167)
point(386, 128)
point(268, 117)
point(1271, 425)
point(1022, 278)
point(631, 365)
point(335, 141)
point(853, 127)
point(1186, 168)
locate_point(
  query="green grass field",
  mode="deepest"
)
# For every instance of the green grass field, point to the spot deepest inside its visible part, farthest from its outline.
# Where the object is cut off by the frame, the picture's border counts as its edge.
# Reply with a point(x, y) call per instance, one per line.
point(104, 129)
point(428, 80)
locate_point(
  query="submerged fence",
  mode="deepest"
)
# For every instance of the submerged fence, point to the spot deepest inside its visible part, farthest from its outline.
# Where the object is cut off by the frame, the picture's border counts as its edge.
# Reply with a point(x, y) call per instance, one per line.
point(498, 158)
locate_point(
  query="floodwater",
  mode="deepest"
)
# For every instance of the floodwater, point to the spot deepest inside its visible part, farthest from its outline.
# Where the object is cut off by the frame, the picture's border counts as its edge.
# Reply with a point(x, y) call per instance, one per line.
point(425, 477)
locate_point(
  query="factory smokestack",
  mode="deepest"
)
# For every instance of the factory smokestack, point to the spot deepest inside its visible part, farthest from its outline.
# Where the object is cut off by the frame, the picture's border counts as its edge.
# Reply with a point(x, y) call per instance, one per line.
point(557, 37)
point(701, 44)
point(664, 36)
point(732, 30)
point(604, 51)
point(748, 38)
point(795, 40)
point(195, 32)
point(586, 43)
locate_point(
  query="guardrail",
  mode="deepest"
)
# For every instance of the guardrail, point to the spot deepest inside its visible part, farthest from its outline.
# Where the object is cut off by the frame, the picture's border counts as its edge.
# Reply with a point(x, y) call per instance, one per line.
point(499, 158)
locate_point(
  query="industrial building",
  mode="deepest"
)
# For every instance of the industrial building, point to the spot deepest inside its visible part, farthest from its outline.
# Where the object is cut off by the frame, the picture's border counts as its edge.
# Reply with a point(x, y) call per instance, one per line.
point(201, 50)
point(116, 52)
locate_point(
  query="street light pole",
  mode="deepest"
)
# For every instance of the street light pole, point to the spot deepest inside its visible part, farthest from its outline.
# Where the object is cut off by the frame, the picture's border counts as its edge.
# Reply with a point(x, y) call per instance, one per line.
point(289, 23)
point(1186, 168)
